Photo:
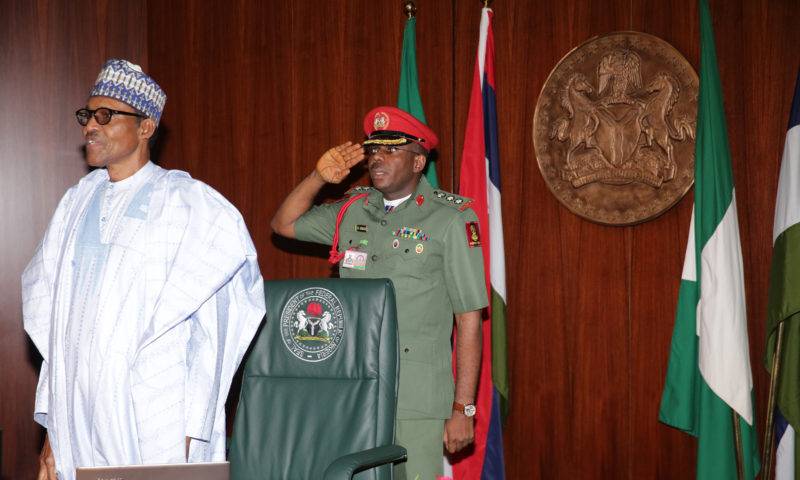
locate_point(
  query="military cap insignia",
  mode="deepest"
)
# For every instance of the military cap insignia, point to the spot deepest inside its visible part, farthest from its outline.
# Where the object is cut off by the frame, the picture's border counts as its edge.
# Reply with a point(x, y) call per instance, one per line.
point(381, 121)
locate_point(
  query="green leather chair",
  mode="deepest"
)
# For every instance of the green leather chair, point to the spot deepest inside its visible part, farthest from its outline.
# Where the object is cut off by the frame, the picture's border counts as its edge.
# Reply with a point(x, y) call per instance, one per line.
point(319, 393)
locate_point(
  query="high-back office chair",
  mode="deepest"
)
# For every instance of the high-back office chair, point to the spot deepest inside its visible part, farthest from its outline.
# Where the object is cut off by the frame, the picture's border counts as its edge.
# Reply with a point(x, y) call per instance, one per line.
point(319, 391)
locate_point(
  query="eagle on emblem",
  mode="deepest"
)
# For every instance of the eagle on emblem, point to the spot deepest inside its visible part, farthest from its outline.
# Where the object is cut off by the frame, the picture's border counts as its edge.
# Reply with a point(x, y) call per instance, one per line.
point(621, 70)
point(312, 322)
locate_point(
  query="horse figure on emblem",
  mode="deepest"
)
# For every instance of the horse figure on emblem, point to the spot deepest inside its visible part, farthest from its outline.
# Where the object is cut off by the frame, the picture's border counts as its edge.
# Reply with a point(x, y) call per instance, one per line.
point(581, 122)
point(664, 90)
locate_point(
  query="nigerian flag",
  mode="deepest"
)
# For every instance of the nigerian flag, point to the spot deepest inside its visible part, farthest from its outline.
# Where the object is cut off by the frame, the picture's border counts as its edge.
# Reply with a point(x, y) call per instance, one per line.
point(408, 98)
point(709, 373)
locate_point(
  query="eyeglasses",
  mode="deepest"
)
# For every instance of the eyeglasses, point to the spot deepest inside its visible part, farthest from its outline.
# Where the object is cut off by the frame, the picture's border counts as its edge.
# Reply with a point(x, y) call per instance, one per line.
point(386, 149)
point(101, 115)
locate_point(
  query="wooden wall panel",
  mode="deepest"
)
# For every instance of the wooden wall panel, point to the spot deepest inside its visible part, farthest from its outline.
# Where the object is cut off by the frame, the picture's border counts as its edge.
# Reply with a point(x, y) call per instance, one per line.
point(50, 54)
point(263, 89)
point(567, 278)
point(258, 90)
point(656, 263)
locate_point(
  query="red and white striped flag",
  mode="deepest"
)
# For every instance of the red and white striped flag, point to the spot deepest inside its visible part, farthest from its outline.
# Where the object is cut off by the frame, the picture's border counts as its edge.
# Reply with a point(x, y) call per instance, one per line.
point(480, 180)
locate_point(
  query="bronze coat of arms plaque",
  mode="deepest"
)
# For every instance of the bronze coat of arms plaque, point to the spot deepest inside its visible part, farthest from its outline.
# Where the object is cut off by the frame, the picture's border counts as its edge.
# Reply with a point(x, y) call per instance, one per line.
point(614, 128)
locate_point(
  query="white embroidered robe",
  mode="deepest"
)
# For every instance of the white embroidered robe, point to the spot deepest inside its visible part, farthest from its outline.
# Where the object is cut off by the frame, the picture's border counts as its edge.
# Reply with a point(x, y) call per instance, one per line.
point(142, 299)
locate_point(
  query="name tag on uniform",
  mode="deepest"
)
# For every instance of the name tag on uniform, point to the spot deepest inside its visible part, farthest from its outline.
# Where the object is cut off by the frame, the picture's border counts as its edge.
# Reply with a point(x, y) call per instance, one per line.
point(355, 259)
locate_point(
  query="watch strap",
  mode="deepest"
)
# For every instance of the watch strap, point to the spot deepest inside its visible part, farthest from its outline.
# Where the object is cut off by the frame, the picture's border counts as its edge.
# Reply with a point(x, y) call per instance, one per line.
point(468, 410)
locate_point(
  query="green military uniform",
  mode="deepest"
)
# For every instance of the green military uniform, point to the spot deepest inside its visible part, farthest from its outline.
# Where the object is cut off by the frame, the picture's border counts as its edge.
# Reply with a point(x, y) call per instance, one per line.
point(429, 246)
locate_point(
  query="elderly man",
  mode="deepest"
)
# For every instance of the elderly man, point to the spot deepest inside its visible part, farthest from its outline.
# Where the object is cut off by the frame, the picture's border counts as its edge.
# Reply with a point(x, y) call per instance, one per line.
point(428, 243)
point(141, 298)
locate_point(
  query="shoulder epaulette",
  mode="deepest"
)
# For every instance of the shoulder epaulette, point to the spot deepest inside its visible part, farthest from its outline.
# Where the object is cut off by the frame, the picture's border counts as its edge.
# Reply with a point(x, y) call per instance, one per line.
point(359, 189)
point(451, 199)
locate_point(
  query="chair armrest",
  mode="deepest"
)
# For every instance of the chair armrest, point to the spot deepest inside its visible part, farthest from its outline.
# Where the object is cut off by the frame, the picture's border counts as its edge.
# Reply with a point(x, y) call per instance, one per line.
point(345, 466)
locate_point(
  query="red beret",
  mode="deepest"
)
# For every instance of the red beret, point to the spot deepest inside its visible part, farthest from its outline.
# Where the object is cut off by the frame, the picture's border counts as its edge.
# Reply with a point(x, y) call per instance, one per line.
point(392, 126)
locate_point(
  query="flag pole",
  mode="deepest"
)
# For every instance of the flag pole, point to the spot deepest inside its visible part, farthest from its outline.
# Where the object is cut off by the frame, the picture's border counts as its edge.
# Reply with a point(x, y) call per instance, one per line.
point(769, 435)
point(737, 443)
point(410, 9)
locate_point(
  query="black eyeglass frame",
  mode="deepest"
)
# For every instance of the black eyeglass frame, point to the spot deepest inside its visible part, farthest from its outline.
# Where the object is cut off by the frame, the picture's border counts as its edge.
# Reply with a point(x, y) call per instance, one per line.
point(368, 147)
point(85, 113)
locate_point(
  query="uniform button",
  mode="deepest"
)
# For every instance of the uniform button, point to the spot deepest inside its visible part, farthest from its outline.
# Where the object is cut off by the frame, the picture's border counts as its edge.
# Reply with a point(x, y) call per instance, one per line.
point(384, 222)
point(103, 219)
point(405, 350)
point(374, 258)
point(406, 250)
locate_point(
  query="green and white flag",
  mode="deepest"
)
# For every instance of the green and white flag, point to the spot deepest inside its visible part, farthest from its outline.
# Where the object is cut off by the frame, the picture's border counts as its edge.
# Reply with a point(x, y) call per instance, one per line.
point(408, 98)
point(783, 304)
point(709, 365)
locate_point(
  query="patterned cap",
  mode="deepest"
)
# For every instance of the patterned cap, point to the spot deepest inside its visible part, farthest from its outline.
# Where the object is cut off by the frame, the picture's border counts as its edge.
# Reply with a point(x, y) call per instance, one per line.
point(392, 126)
point(124, 81)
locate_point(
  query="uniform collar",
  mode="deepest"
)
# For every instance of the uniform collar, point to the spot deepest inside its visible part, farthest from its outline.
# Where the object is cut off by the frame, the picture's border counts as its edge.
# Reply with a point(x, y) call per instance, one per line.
point(422, 193)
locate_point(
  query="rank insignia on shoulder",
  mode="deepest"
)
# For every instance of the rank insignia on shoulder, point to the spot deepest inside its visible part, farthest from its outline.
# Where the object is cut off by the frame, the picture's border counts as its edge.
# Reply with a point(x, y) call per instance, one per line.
point(359, 189)
point(473, 234)
point(453, 200)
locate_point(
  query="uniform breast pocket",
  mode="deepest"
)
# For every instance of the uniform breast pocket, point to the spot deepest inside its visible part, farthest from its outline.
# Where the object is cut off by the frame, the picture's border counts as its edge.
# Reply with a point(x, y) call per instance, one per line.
point(413, 250)
point(415, 261)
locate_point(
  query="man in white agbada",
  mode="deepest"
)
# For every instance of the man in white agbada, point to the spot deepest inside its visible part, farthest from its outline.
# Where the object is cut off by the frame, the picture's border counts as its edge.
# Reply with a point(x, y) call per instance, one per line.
point(142, 298)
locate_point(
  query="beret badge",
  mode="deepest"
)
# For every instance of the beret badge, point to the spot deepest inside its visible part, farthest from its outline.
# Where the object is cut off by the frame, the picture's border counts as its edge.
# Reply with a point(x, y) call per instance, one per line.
point(381, 121)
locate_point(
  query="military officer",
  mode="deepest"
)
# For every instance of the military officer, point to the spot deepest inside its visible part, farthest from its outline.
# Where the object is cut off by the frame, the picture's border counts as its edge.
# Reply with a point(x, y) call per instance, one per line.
point(427, 242)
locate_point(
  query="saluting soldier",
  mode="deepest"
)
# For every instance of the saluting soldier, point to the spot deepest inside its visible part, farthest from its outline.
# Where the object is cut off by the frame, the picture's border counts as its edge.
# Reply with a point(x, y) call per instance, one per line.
point(427, 242)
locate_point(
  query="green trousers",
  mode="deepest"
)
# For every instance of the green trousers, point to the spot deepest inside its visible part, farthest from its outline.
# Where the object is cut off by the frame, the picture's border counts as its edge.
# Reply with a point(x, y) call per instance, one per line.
point(423, 440)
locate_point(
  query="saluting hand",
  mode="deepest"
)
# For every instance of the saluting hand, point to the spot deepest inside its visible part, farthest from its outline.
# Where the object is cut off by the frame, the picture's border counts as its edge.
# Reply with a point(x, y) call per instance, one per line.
point(334, 165)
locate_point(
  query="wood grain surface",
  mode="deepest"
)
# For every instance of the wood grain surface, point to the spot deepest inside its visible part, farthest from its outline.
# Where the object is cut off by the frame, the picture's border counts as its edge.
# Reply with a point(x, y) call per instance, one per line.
point(258, 90)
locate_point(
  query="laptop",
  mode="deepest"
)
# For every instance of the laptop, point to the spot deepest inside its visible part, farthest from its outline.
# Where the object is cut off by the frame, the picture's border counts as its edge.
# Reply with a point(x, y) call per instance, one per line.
point(177, 471)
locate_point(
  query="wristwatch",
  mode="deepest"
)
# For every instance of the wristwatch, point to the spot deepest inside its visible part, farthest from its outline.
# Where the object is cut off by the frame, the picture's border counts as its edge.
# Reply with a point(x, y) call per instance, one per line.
point(468, 410)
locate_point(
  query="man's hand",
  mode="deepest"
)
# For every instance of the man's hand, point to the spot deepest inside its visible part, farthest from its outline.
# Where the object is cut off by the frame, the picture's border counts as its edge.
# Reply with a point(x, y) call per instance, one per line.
point(47, 464)
point(459, 432)
point(334, 165)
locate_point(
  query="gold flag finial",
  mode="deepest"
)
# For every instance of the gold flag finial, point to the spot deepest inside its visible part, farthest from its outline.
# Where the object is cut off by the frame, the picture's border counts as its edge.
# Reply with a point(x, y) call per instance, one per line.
point(486, 3)
point(410, 9)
